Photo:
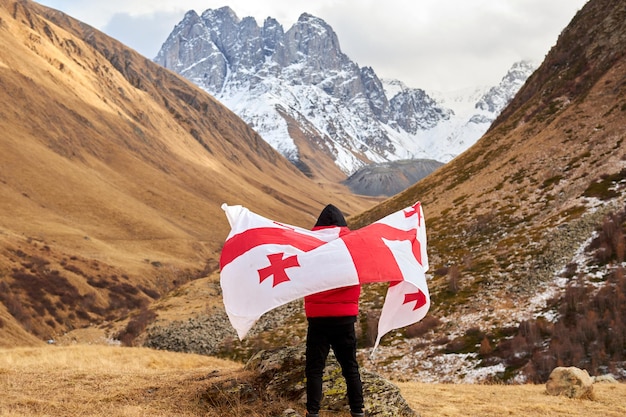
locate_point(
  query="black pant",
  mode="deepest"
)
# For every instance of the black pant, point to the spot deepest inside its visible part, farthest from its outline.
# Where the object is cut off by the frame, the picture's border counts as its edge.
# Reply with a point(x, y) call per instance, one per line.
point(338, 333)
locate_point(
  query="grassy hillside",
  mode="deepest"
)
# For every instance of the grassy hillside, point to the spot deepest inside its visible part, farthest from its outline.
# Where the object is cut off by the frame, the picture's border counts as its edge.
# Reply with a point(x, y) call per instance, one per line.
point(112, 174)
point(510, 221)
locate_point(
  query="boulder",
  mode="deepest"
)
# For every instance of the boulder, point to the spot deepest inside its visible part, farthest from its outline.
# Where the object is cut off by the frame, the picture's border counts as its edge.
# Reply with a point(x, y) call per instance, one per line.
point(604, 379)
point(571, 382)
point(281, 372)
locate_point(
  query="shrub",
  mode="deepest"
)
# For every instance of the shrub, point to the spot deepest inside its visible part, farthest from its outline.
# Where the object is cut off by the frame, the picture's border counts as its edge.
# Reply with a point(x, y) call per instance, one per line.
point(419, 329)
point(469, 342)
point(604, 188)
point(136, 326)
point(453, 279)
point(485, 347)
point(150, 293)
point(371, 328)
point(610, 242)
point(590, 332)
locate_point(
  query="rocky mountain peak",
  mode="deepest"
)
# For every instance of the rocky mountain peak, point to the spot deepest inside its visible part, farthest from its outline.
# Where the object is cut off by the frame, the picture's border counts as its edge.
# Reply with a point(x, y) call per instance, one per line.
point(496, 99)
point(274, 79)
point(313, 40)
point(520, 70)
point(190, 15)
point(224, 15)
point(298, 85)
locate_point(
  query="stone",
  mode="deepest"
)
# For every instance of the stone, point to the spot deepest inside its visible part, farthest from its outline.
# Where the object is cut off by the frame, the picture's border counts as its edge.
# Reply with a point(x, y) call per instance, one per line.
point(571, 382)
point(281, 372)
point(605, 379)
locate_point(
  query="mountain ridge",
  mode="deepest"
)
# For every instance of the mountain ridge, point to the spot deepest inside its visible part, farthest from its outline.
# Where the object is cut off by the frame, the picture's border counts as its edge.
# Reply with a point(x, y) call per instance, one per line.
point(390, 178)
point(276, 80)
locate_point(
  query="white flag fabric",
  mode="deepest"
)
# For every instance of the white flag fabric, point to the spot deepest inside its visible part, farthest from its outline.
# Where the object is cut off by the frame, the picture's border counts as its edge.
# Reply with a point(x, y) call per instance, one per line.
point(265, 264)
point(407, 301)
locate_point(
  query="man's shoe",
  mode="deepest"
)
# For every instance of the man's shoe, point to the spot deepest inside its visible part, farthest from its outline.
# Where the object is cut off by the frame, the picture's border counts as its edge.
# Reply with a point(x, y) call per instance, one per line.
point(312, 414)
point(353, 414)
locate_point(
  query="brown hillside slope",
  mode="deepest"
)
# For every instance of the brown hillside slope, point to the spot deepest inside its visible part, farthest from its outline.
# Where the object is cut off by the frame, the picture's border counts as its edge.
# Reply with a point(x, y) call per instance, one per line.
point(112, 173)
point(506, 215)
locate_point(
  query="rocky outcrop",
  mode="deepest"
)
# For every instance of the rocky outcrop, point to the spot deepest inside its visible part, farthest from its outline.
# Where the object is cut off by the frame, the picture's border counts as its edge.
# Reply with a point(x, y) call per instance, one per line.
point(212, 334)
point(279, 375)
point(275, 375)
point(204, 335)
point(571, 382)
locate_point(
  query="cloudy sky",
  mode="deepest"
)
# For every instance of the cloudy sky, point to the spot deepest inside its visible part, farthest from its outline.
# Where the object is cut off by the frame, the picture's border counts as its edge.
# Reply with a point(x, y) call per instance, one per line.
point(431, 44)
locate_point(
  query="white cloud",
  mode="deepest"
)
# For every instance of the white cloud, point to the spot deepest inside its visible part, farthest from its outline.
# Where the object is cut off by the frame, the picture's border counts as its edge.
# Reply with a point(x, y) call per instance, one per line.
point(430, 44)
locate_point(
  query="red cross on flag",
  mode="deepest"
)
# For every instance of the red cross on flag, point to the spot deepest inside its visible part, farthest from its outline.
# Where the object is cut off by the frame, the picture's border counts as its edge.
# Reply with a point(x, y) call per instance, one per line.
point(265, 264)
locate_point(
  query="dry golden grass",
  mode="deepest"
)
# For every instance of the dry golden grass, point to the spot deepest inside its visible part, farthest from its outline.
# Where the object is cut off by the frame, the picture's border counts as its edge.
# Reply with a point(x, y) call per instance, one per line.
point(90, 380)
point(87, 380)
point(453, 400)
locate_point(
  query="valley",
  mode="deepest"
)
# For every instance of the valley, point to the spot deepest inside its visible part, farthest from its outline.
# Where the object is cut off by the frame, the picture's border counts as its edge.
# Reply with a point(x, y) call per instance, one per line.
point(113, 170)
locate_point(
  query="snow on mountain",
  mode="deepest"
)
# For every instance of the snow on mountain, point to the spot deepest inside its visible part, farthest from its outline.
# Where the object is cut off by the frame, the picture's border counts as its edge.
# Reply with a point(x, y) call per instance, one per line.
point(474, 110)
point(271, 78)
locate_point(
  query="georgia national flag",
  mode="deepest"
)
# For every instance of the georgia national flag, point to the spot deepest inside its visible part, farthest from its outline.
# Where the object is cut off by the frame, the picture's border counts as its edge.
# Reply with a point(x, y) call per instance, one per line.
point(265, 264)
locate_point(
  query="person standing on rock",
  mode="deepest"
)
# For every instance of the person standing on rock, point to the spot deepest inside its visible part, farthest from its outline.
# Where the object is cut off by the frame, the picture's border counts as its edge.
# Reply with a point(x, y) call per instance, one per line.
point(331, 316)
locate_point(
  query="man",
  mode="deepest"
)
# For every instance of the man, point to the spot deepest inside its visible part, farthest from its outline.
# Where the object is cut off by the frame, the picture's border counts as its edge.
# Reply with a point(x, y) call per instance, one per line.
point(331, 316)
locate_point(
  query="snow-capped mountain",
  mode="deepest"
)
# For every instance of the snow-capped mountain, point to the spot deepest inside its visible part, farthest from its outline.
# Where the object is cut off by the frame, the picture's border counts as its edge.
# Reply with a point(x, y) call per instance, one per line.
point(475, 109)
point(306, 98)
